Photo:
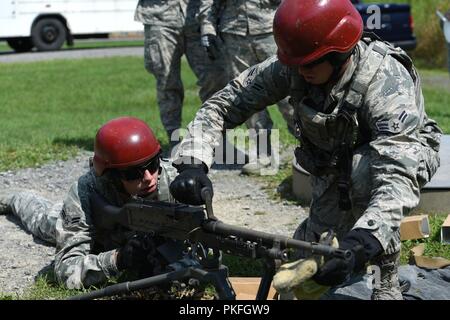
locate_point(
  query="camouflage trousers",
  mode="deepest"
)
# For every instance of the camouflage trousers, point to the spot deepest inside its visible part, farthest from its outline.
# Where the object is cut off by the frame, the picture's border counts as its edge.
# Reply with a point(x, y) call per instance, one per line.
point(37, 214)
point(243, 52)
point(324, 210)
point(325, 214)
point(164, 48)
point(448, 57)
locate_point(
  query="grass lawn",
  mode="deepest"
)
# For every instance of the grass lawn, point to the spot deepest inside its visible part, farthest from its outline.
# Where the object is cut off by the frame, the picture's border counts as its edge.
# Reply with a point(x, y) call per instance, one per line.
point(51, 110)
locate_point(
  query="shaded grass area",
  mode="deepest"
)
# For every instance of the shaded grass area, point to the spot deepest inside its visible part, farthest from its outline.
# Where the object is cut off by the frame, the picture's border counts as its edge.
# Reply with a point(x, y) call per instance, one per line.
point(45, 287)
point(243, 267)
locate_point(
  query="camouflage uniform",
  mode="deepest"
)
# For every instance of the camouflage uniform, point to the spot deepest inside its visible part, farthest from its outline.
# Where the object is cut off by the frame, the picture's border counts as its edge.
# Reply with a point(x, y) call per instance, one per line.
point(446, 29)
point(171, 30)
point(395, 154)
point(245, 26)
point(84, 256)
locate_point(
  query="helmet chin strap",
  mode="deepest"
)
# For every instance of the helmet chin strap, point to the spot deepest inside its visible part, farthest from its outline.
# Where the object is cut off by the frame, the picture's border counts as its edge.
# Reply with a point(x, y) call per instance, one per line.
point(339, 61)
point(337, 72)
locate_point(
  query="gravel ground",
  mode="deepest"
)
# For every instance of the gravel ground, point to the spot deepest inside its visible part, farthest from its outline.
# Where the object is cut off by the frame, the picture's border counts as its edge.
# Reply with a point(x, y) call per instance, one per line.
point(436, 81)
point(238, 200)
point(12, 57)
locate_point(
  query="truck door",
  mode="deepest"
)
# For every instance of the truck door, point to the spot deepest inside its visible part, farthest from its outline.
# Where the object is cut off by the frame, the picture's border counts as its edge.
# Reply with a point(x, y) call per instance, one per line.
point(7, 9)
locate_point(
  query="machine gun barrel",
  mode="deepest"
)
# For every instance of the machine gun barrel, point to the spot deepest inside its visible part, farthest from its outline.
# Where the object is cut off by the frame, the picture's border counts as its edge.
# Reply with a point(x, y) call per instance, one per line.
point(218, 227)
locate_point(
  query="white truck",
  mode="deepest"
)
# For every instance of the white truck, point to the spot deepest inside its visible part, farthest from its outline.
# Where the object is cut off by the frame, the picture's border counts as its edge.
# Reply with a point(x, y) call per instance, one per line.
point(47, 24)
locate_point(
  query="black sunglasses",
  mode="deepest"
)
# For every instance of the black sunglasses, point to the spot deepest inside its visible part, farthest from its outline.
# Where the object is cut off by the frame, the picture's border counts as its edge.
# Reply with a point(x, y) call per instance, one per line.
point(137, 172)
point(316, 62)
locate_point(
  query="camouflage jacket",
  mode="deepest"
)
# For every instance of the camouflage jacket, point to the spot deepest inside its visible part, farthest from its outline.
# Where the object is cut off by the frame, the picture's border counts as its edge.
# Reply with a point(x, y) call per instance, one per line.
point(86, 255)
point(404, 142)
point(168, 13)
point(240, 17)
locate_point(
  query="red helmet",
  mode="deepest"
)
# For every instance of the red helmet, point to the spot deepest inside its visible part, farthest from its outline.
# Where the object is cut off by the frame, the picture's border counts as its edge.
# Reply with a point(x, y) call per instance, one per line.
point(123, 142)
point(307, 30)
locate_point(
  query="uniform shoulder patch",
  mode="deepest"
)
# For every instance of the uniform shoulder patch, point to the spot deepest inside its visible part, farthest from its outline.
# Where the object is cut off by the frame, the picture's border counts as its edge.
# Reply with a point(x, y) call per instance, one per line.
point(395, 125)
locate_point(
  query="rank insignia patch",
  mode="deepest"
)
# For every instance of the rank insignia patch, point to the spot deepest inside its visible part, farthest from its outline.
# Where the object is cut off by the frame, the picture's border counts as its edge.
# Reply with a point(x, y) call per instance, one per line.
point(392, 125)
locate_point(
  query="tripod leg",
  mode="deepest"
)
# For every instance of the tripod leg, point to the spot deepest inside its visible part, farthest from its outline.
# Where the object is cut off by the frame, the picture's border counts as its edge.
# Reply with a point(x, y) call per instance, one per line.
point(218, 278)
point(266, 281)
point(126, 287)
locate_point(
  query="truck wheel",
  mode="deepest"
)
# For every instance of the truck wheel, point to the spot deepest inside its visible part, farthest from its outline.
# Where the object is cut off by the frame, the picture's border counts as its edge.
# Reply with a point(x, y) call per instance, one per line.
point(48, 34)
point(20, 44)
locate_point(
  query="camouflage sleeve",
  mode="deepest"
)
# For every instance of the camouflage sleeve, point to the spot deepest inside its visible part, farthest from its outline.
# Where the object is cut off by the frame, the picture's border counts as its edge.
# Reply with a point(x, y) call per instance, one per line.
point(75, 266)
point(253, 90)
point(393, 114)
point(208, 16)
point(165, 178)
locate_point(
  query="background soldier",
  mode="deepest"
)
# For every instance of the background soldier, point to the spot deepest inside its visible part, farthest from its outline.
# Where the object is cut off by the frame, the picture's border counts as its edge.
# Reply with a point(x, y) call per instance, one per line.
point(123, 167)
point(171, 29)
point(444, 21)
point(245, 26)
point(365, 137)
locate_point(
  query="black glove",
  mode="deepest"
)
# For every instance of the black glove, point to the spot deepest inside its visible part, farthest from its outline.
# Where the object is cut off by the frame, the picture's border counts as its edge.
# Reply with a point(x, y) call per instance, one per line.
point(209, 43)
point(192, 178)
point(131, 255)
point(337, 271)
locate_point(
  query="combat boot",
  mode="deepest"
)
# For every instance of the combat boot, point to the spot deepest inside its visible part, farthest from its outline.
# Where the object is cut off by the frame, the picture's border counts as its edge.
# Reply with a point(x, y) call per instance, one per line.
point(6, 198)
point(388, 286)
point(256, 167)
point(263, 153)
point(5, 201)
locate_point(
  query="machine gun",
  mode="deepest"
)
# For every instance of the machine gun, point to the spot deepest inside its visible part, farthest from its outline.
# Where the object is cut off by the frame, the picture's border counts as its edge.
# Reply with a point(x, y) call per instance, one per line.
point(201, 232)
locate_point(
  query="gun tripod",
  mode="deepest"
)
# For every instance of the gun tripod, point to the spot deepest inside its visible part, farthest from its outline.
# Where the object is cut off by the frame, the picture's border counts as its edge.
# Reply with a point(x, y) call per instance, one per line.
point(209, 270)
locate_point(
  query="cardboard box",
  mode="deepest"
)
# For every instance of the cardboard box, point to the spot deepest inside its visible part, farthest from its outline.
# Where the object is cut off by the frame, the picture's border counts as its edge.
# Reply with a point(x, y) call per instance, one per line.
point(445, 231)
point(415, 227)
point(427, 262)
point(246, 288)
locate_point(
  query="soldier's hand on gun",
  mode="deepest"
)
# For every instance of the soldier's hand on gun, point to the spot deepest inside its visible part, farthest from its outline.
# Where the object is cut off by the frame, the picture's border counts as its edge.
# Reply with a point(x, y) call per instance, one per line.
point(131, 255)
point(209, 43)
point(187, 186)
point(364, 247)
